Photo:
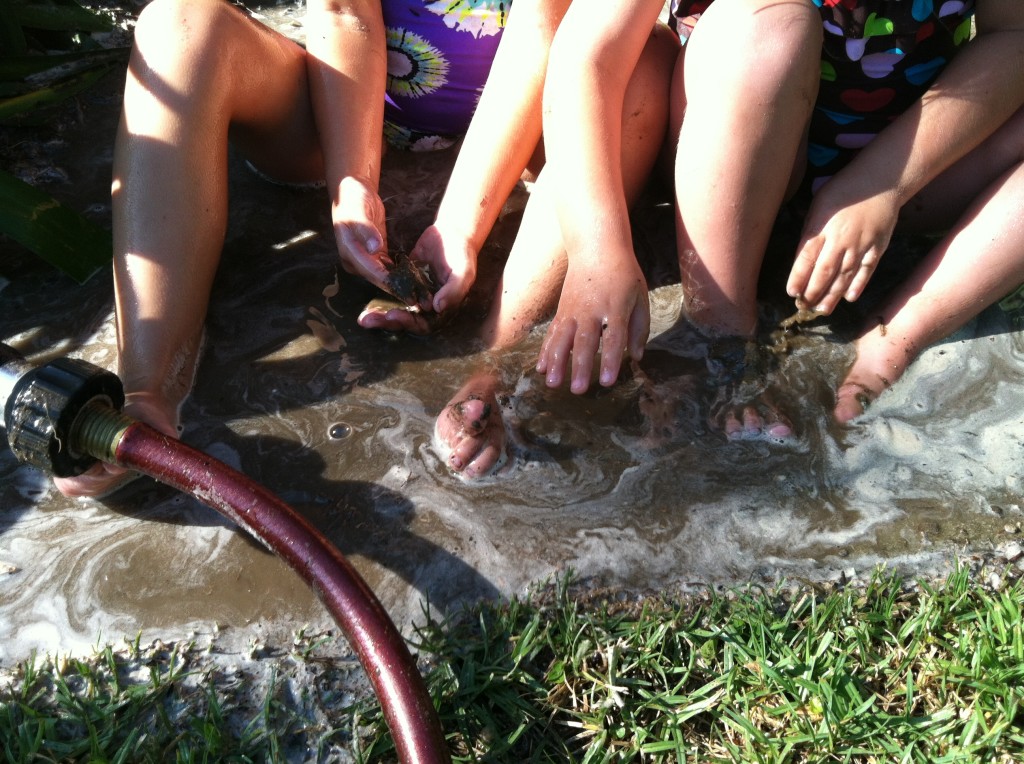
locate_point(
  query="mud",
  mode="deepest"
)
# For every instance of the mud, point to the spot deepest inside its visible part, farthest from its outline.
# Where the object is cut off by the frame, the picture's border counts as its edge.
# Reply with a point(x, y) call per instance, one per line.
point(627, 487)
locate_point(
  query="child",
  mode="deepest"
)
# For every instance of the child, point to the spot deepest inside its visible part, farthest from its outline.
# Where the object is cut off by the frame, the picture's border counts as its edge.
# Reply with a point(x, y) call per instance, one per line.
point(888, 110)
point(203, 73)
point(509, 117)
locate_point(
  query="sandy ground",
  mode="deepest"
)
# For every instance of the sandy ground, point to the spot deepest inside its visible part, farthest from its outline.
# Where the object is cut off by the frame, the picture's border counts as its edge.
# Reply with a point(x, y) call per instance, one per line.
point(625, 487)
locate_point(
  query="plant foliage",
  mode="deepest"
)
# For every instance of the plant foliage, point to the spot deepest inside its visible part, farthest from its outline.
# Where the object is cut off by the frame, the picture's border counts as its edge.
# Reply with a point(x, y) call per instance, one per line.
point(48, 55)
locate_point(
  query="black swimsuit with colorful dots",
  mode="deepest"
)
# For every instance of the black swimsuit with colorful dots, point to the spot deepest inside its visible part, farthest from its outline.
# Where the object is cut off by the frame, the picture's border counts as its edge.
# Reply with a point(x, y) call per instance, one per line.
point(878, 58)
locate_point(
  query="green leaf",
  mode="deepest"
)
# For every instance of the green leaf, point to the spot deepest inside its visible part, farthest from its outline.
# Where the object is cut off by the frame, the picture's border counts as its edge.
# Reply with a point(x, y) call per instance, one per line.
point(62, 17)
point(56, 233)
point(57, 65)
point(12, 39)
point(49, 96)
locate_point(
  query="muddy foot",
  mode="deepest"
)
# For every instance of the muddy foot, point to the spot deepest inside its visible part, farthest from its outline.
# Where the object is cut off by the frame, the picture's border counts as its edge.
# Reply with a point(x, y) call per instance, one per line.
point(881, 359)
point(741, 403)
point(470, 431)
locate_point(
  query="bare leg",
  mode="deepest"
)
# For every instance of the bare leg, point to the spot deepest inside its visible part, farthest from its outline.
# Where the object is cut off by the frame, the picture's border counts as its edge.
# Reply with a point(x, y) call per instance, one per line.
point(742, 100)
point(532, 280)
point(191, 84)
point(974, 265)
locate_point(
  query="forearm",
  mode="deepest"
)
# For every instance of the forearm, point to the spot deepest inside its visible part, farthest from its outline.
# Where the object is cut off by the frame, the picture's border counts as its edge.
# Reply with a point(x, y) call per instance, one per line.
point(592, 61)
point(506, 127)
point(979, 90)
point(347, 68)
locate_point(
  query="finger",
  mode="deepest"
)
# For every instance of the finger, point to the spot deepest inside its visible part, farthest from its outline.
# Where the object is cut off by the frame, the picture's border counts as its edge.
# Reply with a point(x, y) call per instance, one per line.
point(639, 329)
point(848, 270)
point(363, 251)
point(452, 293)
point(584, 348)
point(863, 275)
point(613, 347)
point(829, 264)
point(803, 266)
point(555, 352)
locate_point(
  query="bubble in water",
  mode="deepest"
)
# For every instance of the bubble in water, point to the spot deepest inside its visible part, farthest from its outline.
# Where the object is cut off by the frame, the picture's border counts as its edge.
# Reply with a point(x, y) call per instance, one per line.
point(339, 431)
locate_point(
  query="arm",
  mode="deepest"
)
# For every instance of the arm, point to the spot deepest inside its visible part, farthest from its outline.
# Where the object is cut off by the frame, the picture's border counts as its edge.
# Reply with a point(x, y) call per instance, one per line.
point(347, 68)
point(603, 304)
point(855, 213)
point(502, 137)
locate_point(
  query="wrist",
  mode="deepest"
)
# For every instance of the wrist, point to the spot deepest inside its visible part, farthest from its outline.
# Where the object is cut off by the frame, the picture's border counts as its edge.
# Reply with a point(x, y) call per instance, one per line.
point(456, 227)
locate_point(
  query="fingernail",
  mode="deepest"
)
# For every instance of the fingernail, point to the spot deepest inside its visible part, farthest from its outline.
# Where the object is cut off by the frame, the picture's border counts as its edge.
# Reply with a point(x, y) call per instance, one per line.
point(372, 244)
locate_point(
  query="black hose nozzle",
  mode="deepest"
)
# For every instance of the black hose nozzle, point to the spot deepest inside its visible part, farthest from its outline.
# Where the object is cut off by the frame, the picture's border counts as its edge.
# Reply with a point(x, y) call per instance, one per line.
point(42, 404)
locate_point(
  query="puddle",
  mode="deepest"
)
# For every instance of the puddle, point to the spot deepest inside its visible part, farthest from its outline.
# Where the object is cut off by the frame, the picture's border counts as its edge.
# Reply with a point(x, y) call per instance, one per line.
point(623, 486)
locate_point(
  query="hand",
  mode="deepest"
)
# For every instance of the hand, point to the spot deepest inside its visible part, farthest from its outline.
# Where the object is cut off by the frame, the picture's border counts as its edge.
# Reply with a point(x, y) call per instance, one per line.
point(452, 260)
point(596, 311)
point(840, 248)
point(360, 231)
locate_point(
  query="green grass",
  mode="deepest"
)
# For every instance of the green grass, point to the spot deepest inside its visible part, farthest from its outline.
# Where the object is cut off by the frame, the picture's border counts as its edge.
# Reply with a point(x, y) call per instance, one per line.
point(883, 672)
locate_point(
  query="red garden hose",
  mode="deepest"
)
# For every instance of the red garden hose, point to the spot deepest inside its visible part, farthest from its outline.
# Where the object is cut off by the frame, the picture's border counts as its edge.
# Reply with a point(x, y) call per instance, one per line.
point(82, 401)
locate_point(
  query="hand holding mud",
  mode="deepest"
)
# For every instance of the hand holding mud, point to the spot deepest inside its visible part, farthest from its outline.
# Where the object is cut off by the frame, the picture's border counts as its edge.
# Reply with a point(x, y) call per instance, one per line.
point(431, 281)
point(409, 307)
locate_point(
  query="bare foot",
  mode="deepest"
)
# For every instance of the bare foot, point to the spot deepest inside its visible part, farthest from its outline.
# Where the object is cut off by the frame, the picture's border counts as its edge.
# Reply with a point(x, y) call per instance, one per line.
point(881, 360)
point(470, 428)
point(394, 317)
point(102, 479)
point(742, 405)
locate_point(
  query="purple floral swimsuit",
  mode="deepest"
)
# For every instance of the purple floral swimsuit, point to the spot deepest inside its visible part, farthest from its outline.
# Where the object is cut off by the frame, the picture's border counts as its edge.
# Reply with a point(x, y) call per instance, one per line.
point(439, 56)
point(878, 58)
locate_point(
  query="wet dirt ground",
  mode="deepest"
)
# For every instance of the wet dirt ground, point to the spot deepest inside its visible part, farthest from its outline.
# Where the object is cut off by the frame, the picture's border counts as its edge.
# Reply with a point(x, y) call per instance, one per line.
point(626, 486)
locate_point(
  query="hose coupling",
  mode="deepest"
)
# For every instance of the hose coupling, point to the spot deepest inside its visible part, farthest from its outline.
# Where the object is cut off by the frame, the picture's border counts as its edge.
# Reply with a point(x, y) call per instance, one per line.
point(43, 403)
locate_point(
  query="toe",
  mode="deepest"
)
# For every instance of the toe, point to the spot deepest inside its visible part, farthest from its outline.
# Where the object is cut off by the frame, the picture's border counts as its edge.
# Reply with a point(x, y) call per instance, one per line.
point(732, 426)
point(753, 423)
point(97, 481)
point(851, 400)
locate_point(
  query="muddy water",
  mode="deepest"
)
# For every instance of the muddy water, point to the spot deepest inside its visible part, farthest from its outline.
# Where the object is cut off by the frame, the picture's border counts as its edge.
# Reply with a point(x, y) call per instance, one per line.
point(624, 486)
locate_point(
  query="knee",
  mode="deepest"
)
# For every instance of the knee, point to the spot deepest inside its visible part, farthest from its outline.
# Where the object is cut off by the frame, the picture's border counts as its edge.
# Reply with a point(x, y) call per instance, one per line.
point(764, 43)
point(182, 25)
